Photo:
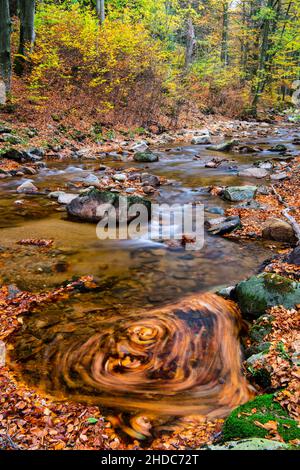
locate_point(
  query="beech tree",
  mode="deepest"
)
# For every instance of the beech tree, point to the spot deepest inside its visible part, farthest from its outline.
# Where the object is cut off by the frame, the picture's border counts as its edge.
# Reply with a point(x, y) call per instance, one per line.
point(26, 10)
point(5, 53)
point(100, 8)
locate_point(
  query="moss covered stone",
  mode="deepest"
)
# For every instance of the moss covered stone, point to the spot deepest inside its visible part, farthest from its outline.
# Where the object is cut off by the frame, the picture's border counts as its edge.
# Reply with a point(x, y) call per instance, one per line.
point(259, 293)
point(145, 157)
point(244, 421)
point(87, 206)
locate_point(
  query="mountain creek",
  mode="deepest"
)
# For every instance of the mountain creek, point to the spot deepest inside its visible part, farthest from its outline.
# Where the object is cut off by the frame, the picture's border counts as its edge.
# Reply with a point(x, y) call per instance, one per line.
point(153, 337)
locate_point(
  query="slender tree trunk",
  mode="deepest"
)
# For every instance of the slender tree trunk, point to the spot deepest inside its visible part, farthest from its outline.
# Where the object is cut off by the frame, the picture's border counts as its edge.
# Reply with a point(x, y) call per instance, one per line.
point(5, 54)
point(100, 8)
point(190, 42)
point(262, 74)
point(225, 35)
point(27, 34)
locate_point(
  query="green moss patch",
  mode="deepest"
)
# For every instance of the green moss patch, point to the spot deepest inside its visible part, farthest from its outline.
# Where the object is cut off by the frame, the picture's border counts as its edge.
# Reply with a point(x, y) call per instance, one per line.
point(244, 422)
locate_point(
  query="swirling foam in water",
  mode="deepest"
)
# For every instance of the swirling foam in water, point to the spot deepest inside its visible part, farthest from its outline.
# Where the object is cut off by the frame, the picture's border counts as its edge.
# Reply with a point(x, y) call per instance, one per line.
point(178, 360)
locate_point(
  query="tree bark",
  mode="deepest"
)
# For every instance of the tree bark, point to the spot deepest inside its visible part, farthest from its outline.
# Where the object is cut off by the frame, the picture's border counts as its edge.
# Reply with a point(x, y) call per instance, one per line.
point(225, 34)
point(100, 8)
point(190, 42)
point(5, 53)
point(27, 34)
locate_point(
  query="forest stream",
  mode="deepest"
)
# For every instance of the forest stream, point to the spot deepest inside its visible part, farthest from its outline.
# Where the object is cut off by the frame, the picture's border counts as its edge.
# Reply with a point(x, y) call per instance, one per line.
point(154, 337)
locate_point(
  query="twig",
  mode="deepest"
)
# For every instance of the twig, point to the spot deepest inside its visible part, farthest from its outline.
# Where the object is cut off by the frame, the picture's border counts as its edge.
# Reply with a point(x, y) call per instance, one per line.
point(6, 441)
point(287, 215)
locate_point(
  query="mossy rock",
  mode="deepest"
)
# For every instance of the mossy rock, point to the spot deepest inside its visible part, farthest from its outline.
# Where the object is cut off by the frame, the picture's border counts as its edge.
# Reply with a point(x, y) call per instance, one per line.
point(259, 293)
point(145, 157)
point(241, 423)
point(261, 328)
point(86, 206)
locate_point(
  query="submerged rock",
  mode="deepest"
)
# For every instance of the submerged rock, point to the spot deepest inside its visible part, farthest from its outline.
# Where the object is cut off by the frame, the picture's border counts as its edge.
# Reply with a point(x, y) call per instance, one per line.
point(254, 173)
point(266, 290)
point(145, 157)
point(240, 193)
point(27, 188)
point(224, 147)
point(89, 206)
point(279, 230)
point(223, 225)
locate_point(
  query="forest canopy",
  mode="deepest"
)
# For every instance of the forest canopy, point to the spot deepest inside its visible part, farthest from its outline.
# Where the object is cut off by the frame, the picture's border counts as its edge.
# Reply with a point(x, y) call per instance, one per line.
point(135, 60)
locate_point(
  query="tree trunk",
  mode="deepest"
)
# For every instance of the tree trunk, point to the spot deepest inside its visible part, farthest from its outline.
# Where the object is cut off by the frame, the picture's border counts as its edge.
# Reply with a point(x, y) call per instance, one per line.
point(190, 42)
point(27, 34)
point(5, 54)
point(100, 8)
point(225, 34)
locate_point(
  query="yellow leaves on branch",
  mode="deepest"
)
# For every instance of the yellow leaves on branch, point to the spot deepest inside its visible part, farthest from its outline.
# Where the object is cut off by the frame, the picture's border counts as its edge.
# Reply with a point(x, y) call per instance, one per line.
point(72, 48)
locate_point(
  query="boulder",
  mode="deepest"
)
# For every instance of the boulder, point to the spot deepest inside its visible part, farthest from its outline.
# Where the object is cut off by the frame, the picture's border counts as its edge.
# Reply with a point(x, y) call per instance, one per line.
point(279, 176)
point(145, 157)
point(215, 210)
point(254, 443)
point(141, 146)
point(91, 179)
point(223, 225)
point(19, 156)
point(266, 290)
point(150, 180)
point(87, 206)
point(254, 173)
point(224, 147)
point(27, 188)
point(201, 140)
point(294, 257)
point(279, 231)
point(120, 177)
point(280, 148)
point(240, 193)
point(65, 198)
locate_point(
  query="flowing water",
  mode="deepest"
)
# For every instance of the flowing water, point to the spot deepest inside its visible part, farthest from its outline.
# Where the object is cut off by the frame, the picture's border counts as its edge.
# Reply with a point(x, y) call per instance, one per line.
point(152, 338)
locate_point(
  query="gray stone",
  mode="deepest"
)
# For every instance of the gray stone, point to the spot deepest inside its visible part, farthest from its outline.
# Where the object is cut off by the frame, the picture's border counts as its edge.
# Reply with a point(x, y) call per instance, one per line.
point(240, 193)
point(223, 225)
point(27, 188)
point(66, 198)
point(201, 140)
point(91, 179)
point(150, 180)
point(254, 173)
point(120, 177)
point(279, 176)
point(254, 443)
point(224, 147)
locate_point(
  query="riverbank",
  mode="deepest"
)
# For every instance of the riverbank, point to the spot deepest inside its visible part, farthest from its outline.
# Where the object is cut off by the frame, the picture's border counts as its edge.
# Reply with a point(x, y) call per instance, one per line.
point(60, 425)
